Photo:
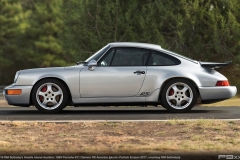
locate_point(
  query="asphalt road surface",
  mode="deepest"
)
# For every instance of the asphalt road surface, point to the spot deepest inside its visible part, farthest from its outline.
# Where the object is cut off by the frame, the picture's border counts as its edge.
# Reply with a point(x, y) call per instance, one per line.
point(117, 113)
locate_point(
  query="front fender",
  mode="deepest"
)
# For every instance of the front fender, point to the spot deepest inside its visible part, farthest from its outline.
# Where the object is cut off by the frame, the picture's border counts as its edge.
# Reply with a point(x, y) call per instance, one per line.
point(69, 77)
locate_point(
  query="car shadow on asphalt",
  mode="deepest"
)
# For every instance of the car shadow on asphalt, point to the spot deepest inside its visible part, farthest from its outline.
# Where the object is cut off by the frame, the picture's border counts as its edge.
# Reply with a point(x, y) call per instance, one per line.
point(105, 111)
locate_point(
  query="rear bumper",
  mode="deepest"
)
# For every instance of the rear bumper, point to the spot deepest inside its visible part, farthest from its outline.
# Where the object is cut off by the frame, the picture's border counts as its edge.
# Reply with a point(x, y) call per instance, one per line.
point(18, 100)
point(217, 93)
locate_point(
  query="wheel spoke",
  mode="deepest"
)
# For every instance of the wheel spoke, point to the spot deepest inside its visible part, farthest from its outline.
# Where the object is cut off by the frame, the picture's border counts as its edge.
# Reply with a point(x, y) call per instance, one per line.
point(187, 98)
point(54, 102)
point(57, 93)
point(45, 102)
point(178, 103)
point(40, 93)
point(49, 88)
point(175, 88)
point(184, 89)
point(171, 97)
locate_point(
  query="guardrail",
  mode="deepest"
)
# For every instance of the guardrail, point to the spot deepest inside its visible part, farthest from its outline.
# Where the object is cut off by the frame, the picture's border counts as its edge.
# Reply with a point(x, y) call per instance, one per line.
point(1, 89)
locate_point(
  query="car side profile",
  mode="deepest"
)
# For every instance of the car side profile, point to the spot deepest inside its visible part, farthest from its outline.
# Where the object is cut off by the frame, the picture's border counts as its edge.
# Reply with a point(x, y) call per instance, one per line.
point(122, 73)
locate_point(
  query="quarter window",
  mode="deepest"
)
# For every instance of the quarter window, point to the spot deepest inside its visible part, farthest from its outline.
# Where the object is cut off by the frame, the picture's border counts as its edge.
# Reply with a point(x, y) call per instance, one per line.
point(162, 59)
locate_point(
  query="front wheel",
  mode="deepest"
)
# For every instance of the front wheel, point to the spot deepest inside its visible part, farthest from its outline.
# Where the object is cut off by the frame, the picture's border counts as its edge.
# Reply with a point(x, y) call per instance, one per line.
point(50, 96)
point(179, 95)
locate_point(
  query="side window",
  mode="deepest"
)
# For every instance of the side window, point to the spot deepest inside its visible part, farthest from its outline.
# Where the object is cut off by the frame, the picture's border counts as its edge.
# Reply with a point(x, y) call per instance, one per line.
point(106, 60)
point(162, 59)
point(130, 57)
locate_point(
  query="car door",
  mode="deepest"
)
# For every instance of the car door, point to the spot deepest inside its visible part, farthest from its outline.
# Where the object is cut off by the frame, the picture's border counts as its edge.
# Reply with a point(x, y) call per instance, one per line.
point(119, 73)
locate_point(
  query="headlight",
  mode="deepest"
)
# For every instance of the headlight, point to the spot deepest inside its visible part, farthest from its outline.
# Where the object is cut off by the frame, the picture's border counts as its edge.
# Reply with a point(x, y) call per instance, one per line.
point(16, 76)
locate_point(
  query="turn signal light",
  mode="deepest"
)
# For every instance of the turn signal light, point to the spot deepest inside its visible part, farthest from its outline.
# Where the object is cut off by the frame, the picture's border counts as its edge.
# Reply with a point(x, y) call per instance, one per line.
point(222, 83)
point(14, 91)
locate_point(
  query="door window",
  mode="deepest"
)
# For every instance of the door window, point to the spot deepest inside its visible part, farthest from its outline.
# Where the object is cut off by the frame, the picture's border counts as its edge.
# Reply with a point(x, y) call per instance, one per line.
point(125, 57)
point(106, 60)
point(130, 57)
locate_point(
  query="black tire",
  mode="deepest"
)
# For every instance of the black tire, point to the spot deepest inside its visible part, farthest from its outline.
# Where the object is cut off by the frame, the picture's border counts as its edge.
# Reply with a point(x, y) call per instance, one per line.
point(179, 95)
point(50, 95)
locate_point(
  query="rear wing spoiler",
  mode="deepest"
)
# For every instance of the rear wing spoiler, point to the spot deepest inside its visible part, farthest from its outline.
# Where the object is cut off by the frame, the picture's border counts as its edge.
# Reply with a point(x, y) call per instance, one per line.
point(214, 64)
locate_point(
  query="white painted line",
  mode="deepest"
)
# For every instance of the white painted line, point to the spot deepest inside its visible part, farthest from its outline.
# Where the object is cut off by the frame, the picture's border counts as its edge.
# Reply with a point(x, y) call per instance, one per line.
point(77, 121)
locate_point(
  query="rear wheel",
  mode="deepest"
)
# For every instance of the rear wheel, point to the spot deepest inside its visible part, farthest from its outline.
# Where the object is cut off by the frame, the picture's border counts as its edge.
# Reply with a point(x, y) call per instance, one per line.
point(50, 96)
point(179, 95)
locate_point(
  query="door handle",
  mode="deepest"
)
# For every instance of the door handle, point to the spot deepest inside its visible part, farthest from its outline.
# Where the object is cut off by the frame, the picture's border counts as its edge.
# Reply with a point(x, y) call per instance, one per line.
point(139, 72)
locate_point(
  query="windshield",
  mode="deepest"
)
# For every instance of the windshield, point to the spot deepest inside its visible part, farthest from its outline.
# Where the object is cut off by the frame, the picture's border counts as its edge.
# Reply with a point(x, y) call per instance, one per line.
point(176, 54)
point(98, 54)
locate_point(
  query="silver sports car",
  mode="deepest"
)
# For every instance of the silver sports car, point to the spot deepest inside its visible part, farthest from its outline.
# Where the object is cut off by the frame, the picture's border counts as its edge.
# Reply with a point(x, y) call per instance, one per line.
point(122, 74)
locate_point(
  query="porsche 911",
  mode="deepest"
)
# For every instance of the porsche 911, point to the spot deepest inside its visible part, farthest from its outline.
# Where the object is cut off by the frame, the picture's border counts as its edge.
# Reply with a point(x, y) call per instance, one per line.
point(120, 74)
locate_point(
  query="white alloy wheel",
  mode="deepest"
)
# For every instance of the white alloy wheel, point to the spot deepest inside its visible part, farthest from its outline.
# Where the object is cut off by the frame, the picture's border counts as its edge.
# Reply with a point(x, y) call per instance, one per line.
point(49, 96)
point(179, 95)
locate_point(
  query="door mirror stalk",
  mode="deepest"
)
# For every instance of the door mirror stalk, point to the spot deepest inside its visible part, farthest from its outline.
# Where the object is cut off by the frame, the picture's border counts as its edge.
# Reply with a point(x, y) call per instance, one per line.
point(92, 64)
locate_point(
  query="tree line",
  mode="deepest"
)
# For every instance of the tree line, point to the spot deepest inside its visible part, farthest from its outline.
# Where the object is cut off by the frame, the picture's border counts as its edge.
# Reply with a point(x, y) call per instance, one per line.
point(45, 33)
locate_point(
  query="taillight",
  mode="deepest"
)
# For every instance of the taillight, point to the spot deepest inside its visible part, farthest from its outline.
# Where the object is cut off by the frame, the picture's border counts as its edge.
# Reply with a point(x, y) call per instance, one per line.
point(222, 83)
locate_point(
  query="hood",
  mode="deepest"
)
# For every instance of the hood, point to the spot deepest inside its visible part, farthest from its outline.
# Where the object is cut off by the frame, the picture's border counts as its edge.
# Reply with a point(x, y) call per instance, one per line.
point(43, 69)
point(52, 69)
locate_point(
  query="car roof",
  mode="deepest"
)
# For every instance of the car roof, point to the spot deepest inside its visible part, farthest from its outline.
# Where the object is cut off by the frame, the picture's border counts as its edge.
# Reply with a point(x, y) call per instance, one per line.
point(136, 44)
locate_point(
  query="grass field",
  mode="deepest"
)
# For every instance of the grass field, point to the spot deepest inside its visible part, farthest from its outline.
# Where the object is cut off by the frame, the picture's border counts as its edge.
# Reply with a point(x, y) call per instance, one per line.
point(201, 136)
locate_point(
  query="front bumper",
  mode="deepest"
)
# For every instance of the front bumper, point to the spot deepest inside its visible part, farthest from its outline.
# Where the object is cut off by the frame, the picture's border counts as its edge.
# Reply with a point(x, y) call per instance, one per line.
point(18, 100)
point(217, 93)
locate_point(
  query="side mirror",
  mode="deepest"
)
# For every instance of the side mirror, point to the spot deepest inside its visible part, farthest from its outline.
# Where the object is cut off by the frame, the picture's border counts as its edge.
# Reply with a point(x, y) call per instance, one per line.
point(92, 64)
